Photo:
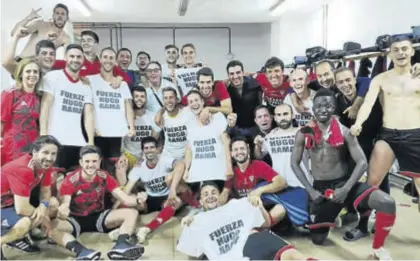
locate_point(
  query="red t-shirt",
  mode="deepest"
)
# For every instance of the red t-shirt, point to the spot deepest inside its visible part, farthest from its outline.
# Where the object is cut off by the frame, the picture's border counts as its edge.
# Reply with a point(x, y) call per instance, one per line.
point(91, 68)
point(244, 182)
point(19, 178)
point(19, 115)
point(273, 96)
point(218, 94)
point(87, 196)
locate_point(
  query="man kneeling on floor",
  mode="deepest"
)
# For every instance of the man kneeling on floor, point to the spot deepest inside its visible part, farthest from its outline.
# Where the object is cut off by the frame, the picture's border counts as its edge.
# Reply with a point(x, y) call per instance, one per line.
point(230, 232)
point(335, 183)
point(82, 210)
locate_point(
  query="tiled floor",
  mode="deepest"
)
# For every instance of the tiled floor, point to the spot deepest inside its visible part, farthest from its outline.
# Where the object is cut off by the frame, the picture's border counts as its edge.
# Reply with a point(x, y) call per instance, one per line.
point(403, 243)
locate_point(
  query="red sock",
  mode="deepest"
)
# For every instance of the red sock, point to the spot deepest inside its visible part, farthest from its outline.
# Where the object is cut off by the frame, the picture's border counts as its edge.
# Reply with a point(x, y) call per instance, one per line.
point(384, 223)
point(164, 215)
point(188, 197)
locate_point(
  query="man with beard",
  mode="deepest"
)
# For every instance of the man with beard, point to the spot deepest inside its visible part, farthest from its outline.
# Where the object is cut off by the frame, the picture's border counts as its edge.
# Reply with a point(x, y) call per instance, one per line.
point(39, 29)
point(44, 53)
point(336, 184)
point(299, 82)
point(279, 145)
point(169, 68)
point(91, 63)
point(230, 232)
point(82, 210)
point(156, 84)
point(66, 97)
point(144, 125)
point(162, 180)
point(247, 174)
point(18, 179)
point(140, 76)
point(214, 93)
point(111, 105)
point(399, 92)
point(245, 94)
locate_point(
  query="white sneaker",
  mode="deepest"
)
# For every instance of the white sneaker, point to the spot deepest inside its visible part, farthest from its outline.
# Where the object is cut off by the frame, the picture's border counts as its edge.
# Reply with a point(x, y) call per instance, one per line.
point(113, 235)
point(381, 254)
point(142, 233)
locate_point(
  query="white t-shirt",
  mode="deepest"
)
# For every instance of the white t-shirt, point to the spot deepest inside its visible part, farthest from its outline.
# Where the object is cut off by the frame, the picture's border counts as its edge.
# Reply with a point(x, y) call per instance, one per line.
point(69, 99)
point(153, 104)
point(153, 179)
point(279, 144)
point(208, 160)
point(175, 130)
point(221, 233)
point(109, 103)
point(144, 125)
point(186, 78)
point(302, 120)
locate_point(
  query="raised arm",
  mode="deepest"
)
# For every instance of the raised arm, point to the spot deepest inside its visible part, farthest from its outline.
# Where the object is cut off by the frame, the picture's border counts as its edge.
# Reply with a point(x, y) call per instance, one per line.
point(29, 22)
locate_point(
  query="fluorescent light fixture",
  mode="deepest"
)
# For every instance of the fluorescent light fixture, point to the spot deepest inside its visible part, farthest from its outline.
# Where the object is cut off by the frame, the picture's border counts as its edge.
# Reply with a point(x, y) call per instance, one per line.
point(82, 6)
point(290, 5)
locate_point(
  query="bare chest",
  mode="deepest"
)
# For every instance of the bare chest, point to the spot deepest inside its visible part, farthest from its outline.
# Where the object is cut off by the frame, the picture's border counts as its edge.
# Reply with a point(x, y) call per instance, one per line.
point(401, 87)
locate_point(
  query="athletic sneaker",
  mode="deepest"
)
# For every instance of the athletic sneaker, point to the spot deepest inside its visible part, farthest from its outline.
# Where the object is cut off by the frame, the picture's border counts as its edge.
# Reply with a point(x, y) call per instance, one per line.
point(26, 245)
point(37, 234)
point(114, 234)
point(125, 250)
point(142, 233)
point(381, 254)
point(88, 254)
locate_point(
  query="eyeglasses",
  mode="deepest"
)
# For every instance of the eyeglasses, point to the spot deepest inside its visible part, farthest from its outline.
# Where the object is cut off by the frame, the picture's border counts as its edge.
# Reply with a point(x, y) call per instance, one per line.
point(153, 70)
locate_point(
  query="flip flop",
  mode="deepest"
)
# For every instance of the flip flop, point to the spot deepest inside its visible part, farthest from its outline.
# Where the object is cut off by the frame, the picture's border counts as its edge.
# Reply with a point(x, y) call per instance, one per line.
point(354, 235)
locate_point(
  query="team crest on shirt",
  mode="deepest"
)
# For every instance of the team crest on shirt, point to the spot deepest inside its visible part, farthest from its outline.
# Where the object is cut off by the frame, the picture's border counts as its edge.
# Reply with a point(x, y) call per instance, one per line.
point(312, 218)
point(251, 178)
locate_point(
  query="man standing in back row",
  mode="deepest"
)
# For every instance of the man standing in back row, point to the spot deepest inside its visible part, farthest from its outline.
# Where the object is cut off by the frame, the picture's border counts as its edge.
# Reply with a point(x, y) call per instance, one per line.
point(399, 138)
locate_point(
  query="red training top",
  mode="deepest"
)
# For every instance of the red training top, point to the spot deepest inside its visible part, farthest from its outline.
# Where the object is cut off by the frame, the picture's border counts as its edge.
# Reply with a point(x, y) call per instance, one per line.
point(218, 94)
point(273, 96)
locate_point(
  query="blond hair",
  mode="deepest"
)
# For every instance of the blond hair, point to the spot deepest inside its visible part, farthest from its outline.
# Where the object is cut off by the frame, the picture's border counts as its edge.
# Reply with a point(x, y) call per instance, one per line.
point(19, 72)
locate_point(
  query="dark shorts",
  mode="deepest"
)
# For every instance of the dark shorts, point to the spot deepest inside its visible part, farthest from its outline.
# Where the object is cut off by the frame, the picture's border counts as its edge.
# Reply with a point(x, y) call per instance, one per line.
point(155, 203)
point(323, 214)
point(94, 222)
point(406, 147)
point(68, 157)
point(9, 218)
point(265, 245)
point(110, 146)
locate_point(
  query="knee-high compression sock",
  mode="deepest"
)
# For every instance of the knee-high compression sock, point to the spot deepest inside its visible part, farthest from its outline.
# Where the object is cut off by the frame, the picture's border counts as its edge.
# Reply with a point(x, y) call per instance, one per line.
point(384, 223)
point(164, 215)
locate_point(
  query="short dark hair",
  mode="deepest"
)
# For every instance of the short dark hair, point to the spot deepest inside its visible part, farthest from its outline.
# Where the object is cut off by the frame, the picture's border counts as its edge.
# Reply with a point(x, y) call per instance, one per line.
point(44, 44)
point(44, 140)
point(343, 69)
point(236, 139)
point(208, 183)
point(205, 71)
point(259, 107)
point(401, 38)
point(63, 6)
point(324, 92)
point(170, 89)
point(90, 149)
point(74, 46)
point(325, 61)
point(234, 63)
point(187, 45)
point(91, 34)
point(143, 52)
point(109, 48)
point(148, 139)
point(274, 62)
point(154, 62)
point(138, 89)
point(169, 46)
point(124, 50)
point(195, 92)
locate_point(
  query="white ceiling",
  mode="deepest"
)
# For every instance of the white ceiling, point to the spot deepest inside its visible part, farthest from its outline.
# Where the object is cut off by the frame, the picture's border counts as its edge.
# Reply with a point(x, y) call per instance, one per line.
point(152, 11)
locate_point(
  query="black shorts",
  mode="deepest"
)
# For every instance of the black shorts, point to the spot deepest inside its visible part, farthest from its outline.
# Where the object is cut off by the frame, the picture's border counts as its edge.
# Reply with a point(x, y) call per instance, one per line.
point(265, 245)
point(110, 146)
point(155, 203)
point(323, 214)
point(94, 222)
point(68, 157)
point(406, 147)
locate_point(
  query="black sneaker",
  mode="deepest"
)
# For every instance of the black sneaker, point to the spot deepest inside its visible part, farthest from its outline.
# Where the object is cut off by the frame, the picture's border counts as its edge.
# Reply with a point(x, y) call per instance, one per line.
point(125, 250)
point(26, 245)
point(88, 254)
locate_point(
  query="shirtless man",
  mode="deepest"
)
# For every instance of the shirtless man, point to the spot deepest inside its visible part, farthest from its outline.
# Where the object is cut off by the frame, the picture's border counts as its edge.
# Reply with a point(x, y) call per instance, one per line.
point(335, 184)
point(39, 29)
point(399, 93)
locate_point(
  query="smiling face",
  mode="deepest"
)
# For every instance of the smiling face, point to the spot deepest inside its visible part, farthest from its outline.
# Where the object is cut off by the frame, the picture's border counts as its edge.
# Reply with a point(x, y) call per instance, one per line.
point(172, 55)
point(150, 151)
point(108, 60)
point(346, 83)
point(195, 103)
point(154, 73)
point(324, 75)
point(323, 108)
point(274, 75)
point(205, 85)
point(188, 54)
point(90, 163)
point(46, 58)
point(46, 156)
point(299, 81)
point(283, 116)
point(401, 53)
point(30, 75)
point(139, 99)
point(89, 44)
point(240, 151)
point(74, 60)
point(124, 60)
point(209, 197)
point(60, 17)
point(236, 76)
point(142, 61)
point(169, 100)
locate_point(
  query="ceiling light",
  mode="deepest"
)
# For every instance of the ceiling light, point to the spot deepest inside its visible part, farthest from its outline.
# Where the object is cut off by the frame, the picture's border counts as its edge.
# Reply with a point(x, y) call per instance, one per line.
point(83, 8)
